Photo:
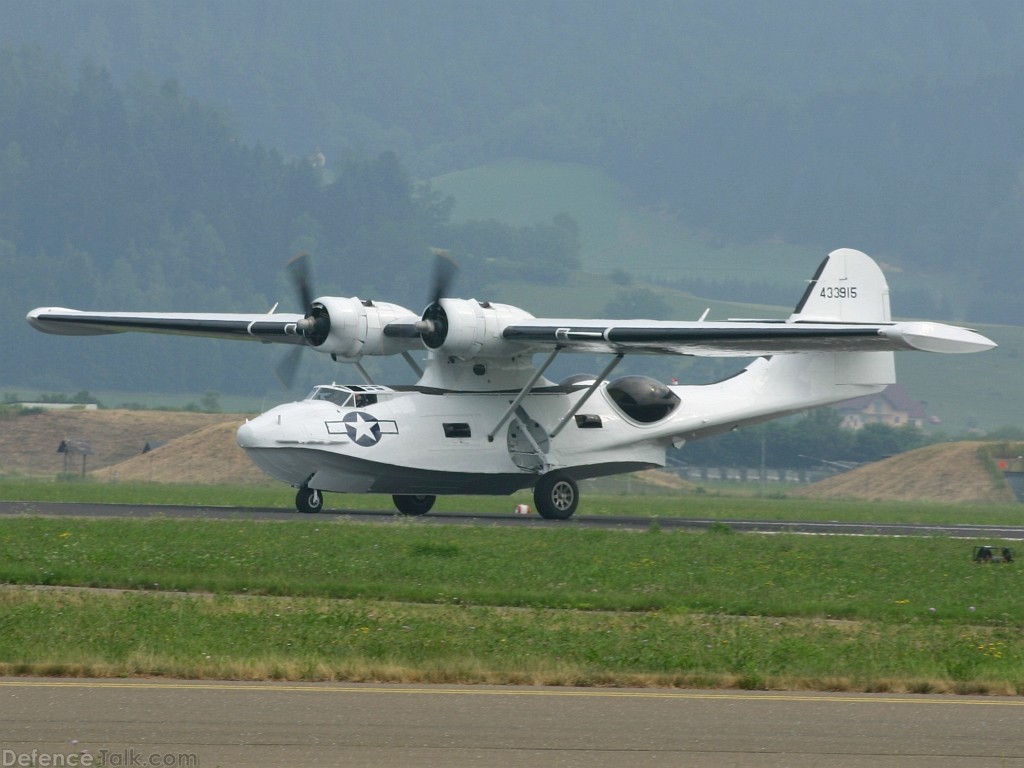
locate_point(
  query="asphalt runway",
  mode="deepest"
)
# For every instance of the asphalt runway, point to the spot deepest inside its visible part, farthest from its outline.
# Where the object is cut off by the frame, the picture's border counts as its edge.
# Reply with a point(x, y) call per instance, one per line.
point(640, 522)
point(150, 722)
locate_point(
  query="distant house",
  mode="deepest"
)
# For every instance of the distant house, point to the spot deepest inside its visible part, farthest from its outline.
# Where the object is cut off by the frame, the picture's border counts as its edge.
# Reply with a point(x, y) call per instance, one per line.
point(892, 406)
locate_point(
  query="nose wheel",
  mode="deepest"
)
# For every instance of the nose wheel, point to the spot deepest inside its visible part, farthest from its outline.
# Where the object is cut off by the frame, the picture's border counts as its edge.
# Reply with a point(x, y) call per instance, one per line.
point(309, 500)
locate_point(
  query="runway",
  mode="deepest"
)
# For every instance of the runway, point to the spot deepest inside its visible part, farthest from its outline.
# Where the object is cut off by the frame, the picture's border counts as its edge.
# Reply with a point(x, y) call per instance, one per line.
point(154, 722)
point(639, 522)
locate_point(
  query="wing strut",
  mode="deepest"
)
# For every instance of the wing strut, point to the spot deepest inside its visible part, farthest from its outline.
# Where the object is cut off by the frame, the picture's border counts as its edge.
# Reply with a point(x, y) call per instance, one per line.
point(523, 393)
point(593, 388)
point(363, 373)
point(412, 363)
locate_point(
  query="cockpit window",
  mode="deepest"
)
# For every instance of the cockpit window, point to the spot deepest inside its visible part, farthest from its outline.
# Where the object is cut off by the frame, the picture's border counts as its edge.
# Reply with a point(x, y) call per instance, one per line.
point(330, 394)
point(350, 395)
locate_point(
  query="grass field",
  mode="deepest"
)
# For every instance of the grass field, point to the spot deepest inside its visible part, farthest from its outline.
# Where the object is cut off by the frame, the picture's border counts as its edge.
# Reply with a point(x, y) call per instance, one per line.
point(327, 598)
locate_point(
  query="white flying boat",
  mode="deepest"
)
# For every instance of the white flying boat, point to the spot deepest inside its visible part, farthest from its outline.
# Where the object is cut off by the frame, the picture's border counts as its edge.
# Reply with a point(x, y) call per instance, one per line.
point(483, 419)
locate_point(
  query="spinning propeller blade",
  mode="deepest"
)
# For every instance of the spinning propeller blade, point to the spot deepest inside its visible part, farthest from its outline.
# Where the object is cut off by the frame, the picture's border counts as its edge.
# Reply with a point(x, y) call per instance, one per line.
point(298, 267)
point(316, 323)
point(433, 326)
point(444, 274)
point(288, 367)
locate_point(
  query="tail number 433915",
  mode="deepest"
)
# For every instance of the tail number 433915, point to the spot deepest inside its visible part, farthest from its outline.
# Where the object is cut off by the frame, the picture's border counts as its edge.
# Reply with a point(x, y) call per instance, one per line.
point(839, 292)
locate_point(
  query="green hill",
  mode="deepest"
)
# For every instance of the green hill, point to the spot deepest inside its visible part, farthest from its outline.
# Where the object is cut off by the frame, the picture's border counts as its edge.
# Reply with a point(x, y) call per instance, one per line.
point(615, 233)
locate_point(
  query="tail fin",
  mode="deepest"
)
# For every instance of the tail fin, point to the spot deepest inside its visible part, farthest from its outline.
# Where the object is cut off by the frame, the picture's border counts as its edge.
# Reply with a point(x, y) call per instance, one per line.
point(848, 287)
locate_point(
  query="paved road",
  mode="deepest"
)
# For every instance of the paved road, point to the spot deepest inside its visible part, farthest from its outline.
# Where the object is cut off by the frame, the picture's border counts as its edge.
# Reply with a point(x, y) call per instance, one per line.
point(146, 722)
point(1012, 532)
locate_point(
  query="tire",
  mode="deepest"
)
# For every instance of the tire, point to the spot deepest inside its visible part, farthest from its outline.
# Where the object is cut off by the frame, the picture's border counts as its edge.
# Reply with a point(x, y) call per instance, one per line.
point(309, 500)
point(556, 496)
point(413, 505)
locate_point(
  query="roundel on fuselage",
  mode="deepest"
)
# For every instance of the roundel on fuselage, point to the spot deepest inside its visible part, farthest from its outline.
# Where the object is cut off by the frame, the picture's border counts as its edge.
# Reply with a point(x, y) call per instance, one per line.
point(642, 398)
point(362, 428)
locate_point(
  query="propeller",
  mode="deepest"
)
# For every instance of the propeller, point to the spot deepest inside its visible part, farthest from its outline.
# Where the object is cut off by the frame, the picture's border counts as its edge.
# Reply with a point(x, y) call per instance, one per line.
point(288, 367)
point(445, 268)
point(314, 326)
point(433, 326)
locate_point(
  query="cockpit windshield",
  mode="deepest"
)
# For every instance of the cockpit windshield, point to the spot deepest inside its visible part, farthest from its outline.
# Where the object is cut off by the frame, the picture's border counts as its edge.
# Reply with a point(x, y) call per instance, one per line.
point(336, 395)
point(352, 396)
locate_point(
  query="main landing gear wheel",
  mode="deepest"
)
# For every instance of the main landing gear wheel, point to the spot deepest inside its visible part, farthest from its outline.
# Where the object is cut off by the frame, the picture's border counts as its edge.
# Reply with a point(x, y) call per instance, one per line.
point(556, 496)
point(309, 500)
point(413, 505)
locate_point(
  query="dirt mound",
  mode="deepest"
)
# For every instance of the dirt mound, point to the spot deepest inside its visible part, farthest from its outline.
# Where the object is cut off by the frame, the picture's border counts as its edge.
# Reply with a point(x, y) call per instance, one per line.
point(209, 455)
point(947, 472)
point(29, 440)
point(666, 480)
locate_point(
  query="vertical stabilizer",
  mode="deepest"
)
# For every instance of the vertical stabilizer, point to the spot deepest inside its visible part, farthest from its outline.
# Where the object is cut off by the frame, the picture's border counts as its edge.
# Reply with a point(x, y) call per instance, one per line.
point(849, 287)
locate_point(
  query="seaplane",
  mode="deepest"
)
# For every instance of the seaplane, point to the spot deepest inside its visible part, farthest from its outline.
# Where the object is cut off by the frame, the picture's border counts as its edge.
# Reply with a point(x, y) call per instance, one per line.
point(482, 418)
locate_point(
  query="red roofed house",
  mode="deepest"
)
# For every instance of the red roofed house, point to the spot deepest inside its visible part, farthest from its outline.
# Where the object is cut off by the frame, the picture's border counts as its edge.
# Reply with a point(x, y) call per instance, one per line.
point(892, 406)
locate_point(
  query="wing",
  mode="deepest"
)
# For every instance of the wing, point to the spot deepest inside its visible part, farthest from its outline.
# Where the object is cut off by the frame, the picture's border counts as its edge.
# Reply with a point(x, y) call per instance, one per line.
point(282, 328)
point(741, 338)
point(845, 308)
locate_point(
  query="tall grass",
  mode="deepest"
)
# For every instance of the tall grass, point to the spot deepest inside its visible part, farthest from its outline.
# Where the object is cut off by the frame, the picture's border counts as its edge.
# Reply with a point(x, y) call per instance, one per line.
point(323, 599)
point(861, 578)
point(295, 638)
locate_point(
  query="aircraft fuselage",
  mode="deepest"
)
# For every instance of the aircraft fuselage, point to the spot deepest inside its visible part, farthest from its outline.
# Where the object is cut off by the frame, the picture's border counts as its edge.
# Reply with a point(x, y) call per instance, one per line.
point(373, 439)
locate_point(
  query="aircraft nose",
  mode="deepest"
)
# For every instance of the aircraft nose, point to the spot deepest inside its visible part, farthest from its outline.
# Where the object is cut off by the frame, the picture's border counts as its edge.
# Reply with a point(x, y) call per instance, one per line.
point(246, 435)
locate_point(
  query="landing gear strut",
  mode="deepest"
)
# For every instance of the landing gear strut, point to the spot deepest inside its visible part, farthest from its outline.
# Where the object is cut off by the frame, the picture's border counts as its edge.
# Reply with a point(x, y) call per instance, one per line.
point(309, 500)
point(556, 496)
point(413, 505)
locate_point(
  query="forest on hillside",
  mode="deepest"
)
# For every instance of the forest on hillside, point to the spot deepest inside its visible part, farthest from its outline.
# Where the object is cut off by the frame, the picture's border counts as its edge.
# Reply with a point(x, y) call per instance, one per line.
point(142, 198)
point(892, 127)
point(166, 155)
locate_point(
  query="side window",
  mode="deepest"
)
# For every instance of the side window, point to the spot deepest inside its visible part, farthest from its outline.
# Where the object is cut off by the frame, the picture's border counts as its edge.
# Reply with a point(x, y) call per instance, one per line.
point(457, 429)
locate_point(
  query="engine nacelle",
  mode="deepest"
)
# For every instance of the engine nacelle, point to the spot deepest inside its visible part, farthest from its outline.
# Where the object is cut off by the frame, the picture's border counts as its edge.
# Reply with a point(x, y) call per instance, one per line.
point(356, 328)
point(466, 328)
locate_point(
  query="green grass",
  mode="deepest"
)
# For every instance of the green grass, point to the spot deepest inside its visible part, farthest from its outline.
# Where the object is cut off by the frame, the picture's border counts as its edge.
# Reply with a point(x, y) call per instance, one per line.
point(330, 599)
point(307, 639)
point(77, 490)
point(552, 567)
